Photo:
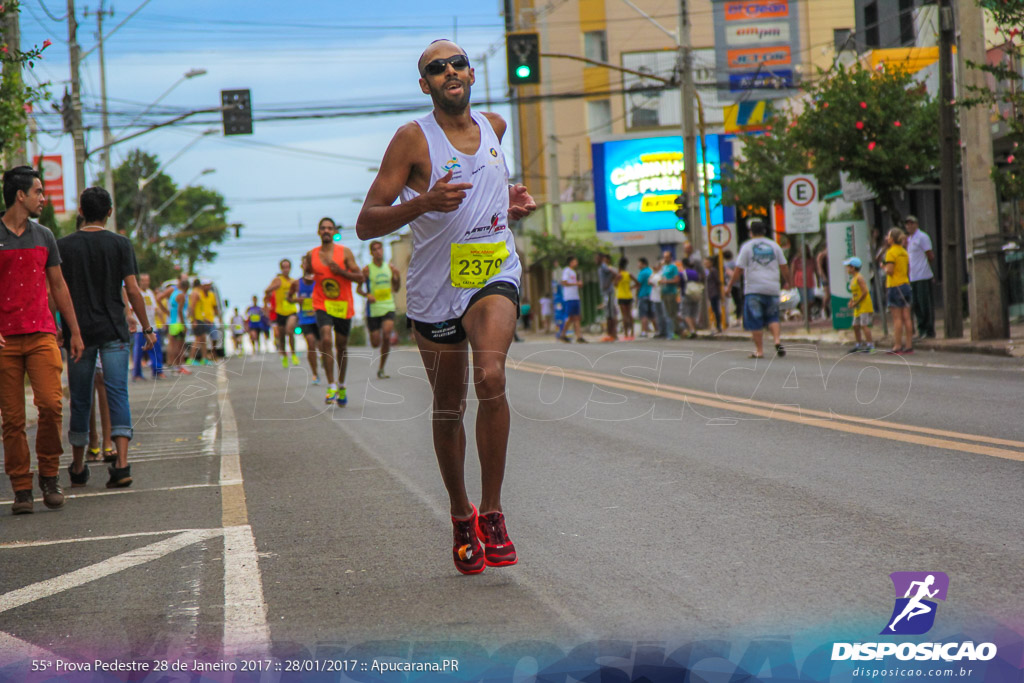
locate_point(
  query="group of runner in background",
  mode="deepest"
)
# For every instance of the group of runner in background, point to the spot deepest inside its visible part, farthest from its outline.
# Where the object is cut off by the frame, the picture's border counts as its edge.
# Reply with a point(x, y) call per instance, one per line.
point(318, 306)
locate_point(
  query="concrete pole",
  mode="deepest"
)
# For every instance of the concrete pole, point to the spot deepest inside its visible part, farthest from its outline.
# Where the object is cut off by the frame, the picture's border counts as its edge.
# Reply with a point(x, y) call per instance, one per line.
point(77, 135)
point(952, 238)
point(108, 172)
point(550, 139)
point(689, 131)
point(989, 318)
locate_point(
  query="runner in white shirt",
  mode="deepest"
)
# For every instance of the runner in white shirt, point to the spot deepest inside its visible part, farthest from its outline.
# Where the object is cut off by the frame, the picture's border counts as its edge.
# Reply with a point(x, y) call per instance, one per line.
point(463, 282)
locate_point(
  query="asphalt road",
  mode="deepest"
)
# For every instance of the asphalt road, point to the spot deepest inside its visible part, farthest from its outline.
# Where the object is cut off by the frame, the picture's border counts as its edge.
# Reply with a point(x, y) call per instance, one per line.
point(656, 490)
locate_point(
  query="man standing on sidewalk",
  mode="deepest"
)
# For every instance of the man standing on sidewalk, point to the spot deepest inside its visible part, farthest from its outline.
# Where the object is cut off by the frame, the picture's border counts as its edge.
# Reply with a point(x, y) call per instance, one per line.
point(96, 262)
point(670, 282)
point(608, 277)
point(29, 260)
point(763, 262)
point(919, 248)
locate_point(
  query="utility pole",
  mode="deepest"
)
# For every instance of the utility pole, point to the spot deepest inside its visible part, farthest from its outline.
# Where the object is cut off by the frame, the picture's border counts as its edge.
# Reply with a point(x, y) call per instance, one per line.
point(108, 172)
point(989, 319)
point(952, 245)
point(689, 132)
point(11, 31)
point(77, 135)
point(550, 142)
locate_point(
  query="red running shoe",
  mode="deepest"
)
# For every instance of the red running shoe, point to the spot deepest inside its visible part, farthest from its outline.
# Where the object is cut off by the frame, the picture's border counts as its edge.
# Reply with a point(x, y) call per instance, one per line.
point(498, 548)
point(467, 553)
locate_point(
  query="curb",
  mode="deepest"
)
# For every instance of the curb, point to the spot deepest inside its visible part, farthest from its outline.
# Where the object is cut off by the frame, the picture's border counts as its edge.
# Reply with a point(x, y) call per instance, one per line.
point(1005, 347)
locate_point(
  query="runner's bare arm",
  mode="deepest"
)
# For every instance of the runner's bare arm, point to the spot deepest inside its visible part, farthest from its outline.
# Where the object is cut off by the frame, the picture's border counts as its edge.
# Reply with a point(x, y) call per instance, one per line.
point(349, 272)
point(402, 166)
point(274, 285)
point(293, 292)
point(363, 288)
point(353, 273)
point(396, 278)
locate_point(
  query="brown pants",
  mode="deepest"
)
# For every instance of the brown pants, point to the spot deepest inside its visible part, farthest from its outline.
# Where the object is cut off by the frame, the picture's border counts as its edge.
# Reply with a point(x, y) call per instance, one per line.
point(38, 356)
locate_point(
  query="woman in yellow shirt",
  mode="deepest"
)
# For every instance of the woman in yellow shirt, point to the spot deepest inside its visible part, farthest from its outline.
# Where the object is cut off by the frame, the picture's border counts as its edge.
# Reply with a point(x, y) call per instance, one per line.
point(624, 293)
point(897, 291)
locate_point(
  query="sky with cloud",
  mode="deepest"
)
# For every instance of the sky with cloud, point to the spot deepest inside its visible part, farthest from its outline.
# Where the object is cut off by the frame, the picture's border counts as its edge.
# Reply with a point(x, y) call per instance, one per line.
point(317, 55)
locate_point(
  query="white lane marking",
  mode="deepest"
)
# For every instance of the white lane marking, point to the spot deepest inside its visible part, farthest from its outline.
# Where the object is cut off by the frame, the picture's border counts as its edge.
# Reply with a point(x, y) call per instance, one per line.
point(245, 608)
point(123, 492)
point(132, 558)
point(16, 649)
point(115, 537)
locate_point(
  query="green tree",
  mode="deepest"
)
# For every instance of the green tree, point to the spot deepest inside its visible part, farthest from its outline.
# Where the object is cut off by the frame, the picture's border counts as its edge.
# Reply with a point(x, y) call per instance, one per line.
point(191, 220)
point(756, 179)
point(880, 126)
point(547, 249)
point(16, 98)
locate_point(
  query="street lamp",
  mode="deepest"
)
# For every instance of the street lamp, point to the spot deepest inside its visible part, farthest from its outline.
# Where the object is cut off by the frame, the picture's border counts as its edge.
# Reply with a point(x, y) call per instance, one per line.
point(157, 212)
point(191, 73)
point(193, 217)
point(146, 181)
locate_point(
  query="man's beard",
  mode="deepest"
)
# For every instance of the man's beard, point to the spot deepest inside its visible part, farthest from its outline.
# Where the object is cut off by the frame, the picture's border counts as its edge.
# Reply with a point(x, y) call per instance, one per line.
point(449, 106)
point(36, 214)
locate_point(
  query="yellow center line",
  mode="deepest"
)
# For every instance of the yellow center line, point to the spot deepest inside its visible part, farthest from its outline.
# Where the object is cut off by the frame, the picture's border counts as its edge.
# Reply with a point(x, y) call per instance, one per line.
point(852, 424)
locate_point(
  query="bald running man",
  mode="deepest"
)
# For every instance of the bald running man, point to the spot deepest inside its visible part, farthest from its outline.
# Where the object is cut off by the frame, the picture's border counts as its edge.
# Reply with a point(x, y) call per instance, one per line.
point(463, 282)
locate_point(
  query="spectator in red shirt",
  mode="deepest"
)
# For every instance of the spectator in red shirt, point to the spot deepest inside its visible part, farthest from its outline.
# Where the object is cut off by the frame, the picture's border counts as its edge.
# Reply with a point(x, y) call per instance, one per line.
point(29, 261)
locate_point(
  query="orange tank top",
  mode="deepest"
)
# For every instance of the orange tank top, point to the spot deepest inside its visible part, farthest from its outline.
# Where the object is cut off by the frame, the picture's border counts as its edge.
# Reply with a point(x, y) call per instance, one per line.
point(332, 293)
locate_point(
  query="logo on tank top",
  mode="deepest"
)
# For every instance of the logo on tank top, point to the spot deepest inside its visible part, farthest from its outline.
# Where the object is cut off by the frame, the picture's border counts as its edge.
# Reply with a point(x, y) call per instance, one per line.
point(452, 163)
point(494, 153)
point(494, 226)
point(332, 290)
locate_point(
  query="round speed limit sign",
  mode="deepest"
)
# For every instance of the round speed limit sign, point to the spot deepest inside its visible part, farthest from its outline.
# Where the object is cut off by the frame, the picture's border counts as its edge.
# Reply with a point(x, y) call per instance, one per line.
point(720, 236)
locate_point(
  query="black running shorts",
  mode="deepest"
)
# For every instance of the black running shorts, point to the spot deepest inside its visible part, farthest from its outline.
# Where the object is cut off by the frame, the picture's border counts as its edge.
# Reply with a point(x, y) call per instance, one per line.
point(452, 331)
point(340, 325)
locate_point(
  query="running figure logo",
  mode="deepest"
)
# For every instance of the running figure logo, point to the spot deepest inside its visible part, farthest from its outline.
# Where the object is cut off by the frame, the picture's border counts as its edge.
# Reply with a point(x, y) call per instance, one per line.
point(913, 613)
point(452, 164)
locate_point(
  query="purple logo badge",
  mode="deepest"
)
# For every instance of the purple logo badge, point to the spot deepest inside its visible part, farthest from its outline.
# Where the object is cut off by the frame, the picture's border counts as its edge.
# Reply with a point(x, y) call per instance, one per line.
point(914, 611)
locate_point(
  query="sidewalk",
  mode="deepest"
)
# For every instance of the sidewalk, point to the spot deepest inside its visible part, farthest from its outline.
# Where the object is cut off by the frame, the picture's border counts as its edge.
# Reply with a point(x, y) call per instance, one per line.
point(822, 333)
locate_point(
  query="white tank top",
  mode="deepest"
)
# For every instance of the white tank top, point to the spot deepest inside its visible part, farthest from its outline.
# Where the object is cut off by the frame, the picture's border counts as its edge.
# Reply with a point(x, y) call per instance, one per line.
point(481, 219)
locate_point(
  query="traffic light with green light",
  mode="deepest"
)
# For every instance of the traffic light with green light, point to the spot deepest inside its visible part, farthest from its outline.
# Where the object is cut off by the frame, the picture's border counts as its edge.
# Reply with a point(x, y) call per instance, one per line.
point(523, 53)
point(682, 212)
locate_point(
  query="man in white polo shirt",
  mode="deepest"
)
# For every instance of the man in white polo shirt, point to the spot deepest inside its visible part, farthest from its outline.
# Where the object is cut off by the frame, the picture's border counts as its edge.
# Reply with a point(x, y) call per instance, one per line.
point(919, 248)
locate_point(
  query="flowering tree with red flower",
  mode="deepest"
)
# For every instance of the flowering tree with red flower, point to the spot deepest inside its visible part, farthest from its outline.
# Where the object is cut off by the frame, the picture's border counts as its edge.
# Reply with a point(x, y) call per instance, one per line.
point(756, 179)
point(15, 97)
point(877, 125)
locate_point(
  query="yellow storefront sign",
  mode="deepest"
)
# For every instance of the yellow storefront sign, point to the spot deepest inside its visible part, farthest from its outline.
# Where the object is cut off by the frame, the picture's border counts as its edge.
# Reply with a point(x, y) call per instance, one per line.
point(659, 202)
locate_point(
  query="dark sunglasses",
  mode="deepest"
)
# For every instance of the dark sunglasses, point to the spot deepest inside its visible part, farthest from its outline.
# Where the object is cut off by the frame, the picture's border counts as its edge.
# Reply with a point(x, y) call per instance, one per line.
point(439, 66)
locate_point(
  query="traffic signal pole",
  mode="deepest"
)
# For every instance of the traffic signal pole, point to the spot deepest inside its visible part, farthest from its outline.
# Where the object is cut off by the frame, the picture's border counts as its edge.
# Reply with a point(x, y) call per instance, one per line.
point(687, 92)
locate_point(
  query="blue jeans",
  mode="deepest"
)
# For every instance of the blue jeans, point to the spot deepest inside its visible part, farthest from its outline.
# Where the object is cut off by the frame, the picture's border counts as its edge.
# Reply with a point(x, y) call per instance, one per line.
point(81, 375)
point(759, 311)
point(156, 354)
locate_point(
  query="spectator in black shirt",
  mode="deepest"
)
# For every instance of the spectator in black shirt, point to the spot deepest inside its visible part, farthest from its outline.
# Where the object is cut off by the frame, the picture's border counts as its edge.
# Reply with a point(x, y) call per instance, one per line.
point(95, 263)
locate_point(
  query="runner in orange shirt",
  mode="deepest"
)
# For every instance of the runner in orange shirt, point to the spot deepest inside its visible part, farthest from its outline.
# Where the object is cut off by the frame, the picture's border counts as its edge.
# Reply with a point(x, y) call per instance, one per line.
point(334, 269)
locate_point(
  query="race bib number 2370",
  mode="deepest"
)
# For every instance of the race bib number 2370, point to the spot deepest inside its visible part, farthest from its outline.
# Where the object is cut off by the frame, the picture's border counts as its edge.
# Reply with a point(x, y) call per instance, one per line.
point(474, 264)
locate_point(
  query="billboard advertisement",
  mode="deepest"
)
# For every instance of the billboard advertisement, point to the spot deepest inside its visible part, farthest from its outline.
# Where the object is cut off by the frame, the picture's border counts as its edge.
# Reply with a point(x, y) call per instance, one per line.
point(52, 169)
point(759, 43)
point(636, 182)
